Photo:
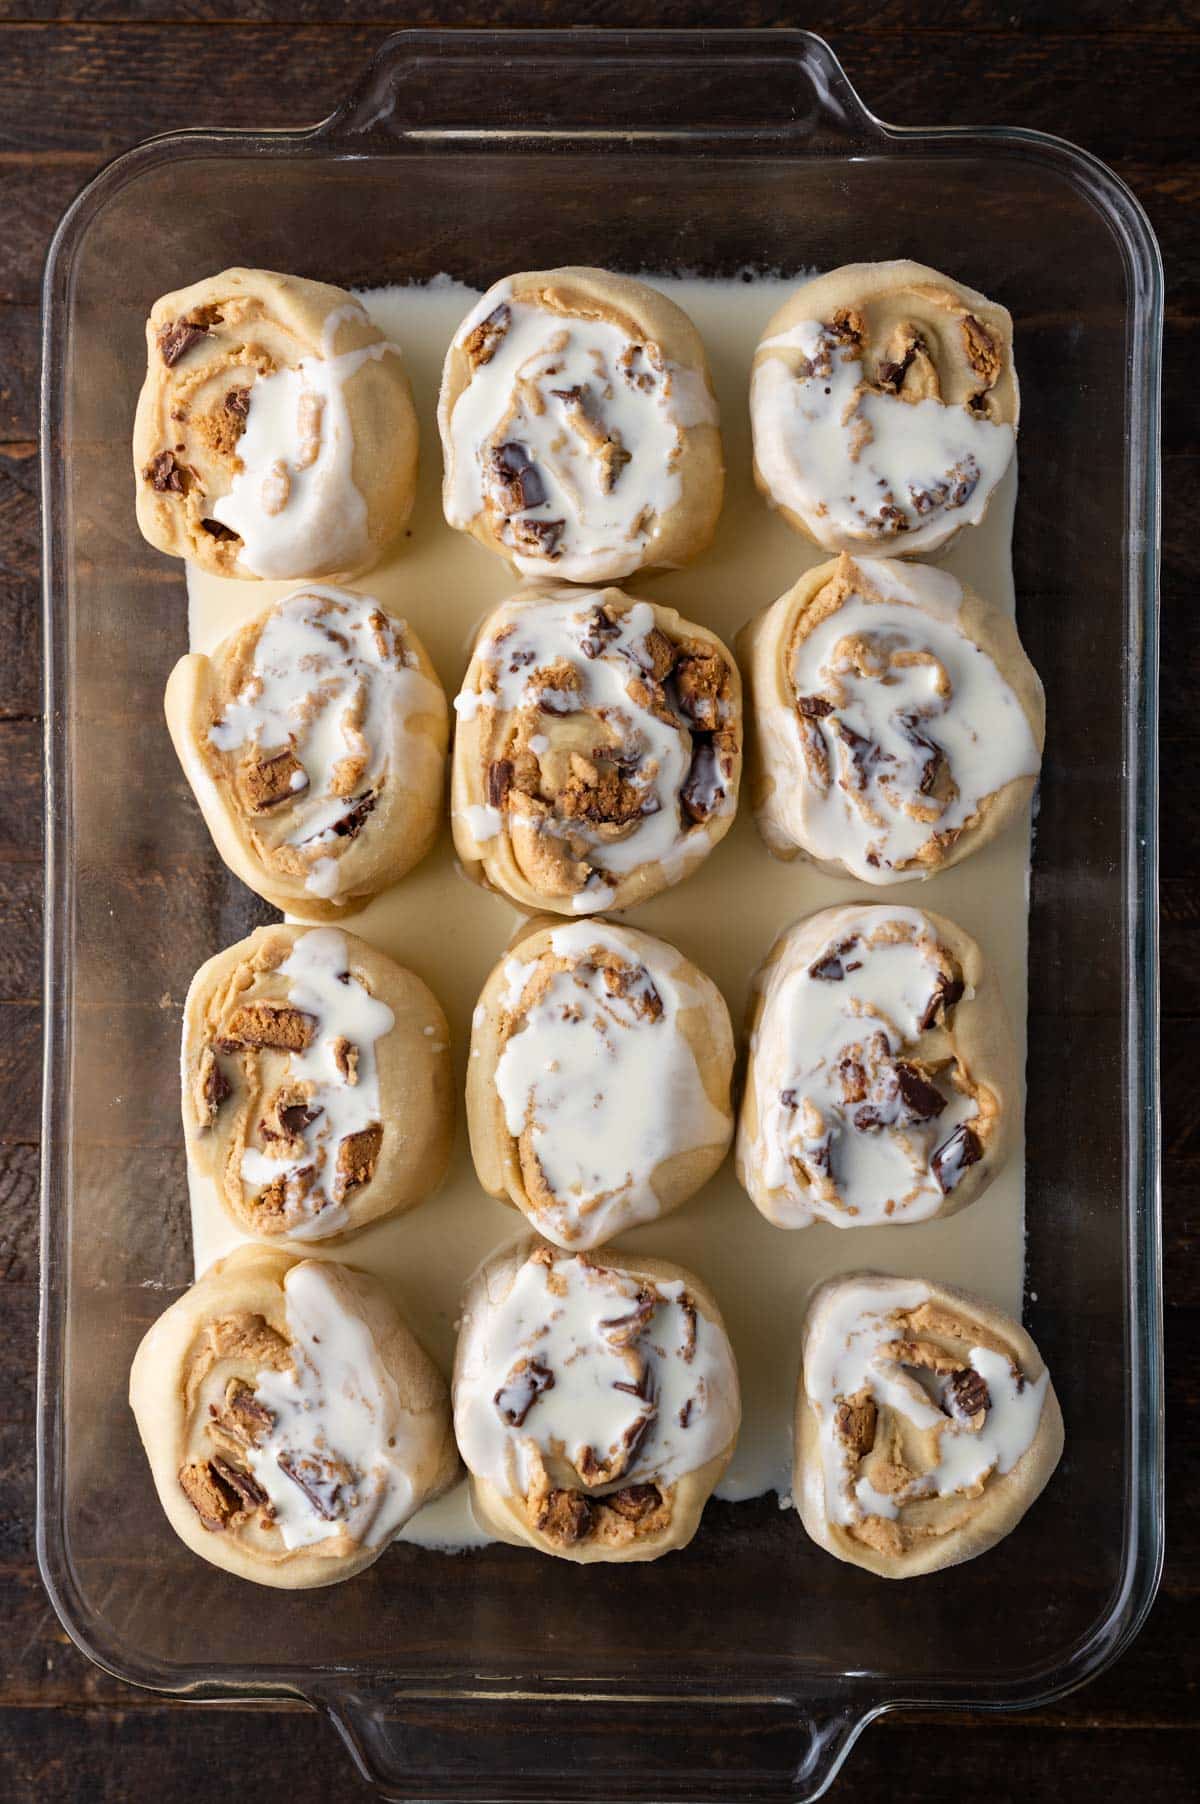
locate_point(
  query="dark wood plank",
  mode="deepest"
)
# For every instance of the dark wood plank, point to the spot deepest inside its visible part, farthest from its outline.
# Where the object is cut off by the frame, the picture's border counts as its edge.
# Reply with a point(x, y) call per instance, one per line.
point(292, 76)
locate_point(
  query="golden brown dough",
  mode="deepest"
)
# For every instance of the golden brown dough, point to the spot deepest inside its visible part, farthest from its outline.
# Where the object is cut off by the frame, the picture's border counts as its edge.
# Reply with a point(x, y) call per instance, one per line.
point(275, 432)
point(598, 1081)
point(926, 1424)
point(292, 1420)
point(884, 404)
point(598, 750)
point(595, 1401)
point(317, 1084)
point(883, 1085)
point(579, 428)
point(897, 724)
point(314, 738)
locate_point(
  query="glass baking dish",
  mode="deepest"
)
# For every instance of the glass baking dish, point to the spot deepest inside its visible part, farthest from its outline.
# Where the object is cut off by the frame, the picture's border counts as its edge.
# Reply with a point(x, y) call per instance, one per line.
point(748, 1665)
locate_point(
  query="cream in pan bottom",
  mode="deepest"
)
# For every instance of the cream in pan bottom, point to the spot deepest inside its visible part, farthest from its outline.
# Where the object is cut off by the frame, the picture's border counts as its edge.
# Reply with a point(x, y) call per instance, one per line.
point(724, 918)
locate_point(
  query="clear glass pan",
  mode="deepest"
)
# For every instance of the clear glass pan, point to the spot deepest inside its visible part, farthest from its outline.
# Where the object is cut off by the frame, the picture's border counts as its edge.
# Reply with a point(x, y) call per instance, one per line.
point(748, 1665)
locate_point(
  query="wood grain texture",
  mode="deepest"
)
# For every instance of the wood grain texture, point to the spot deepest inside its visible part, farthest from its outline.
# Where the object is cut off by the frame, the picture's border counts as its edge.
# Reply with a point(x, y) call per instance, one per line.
point(82, 79)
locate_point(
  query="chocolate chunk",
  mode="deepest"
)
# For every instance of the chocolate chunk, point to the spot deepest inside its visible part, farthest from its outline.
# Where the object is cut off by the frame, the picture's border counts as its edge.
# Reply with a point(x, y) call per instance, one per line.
point(831, 966)
point(789, 1099)
point(565, 1516)
point(890, 375)
point(946, 992)
point(356, 1159)
point(321, 1480)
point(247, 1489)
point(701, 679)
point(165, 475)
point(703, 791)
point(599, 630)
point(271, 1024)
point(934, 758)
point(862, 755)
point(237, 402)
point(174, 340)
point(685, 1413)
point(921, 1100)
point(215, 530)
point(634, 1502)
point(967, 1394)
point(483, 341)
point(499, 781)
point(296, 1117)
point(955, 1156)
point(516, 479)
point(521, 1390)
point(220, 1492)
point(539, 537)
point(813, 707)
point(623, 1330)
point(352, 822)
point(243, 1415)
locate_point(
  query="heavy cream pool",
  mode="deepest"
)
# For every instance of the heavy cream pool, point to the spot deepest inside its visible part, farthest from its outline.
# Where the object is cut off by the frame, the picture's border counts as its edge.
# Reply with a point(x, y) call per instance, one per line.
point(725, 917)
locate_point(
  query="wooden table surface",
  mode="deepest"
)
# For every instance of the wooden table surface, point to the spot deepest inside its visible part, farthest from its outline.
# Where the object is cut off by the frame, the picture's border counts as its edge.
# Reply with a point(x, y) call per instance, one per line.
point(82, 79)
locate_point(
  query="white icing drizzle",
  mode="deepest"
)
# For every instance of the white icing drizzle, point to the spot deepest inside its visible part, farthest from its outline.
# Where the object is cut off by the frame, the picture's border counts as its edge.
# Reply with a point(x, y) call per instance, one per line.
point(607, 1089)
point(597, 514)
point(862, 468)
point(933, 692)
point(294, 502)
point(331, 681)
point(344, 1010)
point(339, 1425)
point(845, 1356)
point(530, 636)
point(690, 1404)
point(837, 1141)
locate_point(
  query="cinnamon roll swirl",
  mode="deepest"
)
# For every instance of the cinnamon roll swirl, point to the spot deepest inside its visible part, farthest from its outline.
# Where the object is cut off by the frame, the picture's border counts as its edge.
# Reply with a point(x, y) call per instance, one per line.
point(882, 1084)
point(897, 722)
point(317, 1086)
point(275, 432)
point(292, 1420)
point(579, 427)
point(595, 1402)
point(314, 739)
point(597, 753)
point(926, 1424)
point(884, 406)
point(598, 1082)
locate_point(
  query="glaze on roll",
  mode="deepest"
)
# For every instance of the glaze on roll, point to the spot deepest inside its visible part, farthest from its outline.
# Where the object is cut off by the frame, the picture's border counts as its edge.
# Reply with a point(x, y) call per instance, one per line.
point(595, 1402)
point(897, 723)
point(314, 739)
point(292, 1421)
point(598, 1082)
point(882, 1085)
point(317, 1085)
point(579, 428)
point(884, 404)
point(597, 753)
point(275, 432)
point(926, 1424)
